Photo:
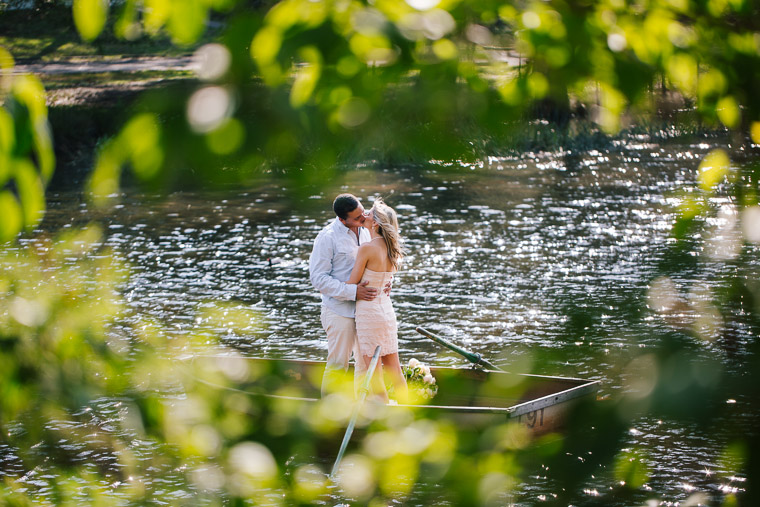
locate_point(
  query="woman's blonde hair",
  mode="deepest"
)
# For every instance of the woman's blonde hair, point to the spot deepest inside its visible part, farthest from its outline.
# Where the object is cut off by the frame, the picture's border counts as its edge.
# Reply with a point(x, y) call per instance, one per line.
point(387, 226)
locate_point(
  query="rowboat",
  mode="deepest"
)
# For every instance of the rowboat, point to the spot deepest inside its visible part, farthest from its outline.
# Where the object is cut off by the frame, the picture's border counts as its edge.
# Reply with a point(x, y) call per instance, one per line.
point(471, 397)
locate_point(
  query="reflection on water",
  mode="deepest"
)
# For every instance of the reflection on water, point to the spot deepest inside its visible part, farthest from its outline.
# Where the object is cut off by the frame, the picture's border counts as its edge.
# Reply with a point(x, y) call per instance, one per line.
point(539, 263)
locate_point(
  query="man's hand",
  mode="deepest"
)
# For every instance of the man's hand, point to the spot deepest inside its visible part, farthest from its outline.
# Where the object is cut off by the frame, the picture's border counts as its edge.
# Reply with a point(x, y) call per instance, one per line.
point(365, 293)
point(387, 288)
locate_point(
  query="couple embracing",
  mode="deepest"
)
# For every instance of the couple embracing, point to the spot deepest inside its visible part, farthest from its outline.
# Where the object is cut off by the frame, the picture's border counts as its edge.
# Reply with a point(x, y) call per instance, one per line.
point(352, 265)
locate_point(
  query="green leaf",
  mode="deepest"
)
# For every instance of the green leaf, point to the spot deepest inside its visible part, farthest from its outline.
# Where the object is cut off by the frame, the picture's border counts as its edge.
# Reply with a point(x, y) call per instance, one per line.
point(7, 142)
point(266, 44)
point(187, 21)
point(90, 17)
point(156, 14)
point(43, 146)
point(307, 77)
point(444, 49)
point(728, 112)
point(31, 192)
point(6, 59)
point(127, 25)
point(141, 138)
point(104, 181)
point(755, 132)
point(11, 218)
point(631, 470)
point(712, 169)
point(682, 71)
point(227, 138)
point(28, 91)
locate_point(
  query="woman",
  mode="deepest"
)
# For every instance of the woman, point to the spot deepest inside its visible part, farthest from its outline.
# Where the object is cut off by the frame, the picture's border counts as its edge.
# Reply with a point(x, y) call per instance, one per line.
point(376, 262)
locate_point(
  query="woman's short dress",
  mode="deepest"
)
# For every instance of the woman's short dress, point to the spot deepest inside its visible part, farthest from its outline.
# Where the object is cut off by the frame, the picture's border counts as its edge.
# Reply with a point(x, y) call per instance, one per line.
point(376, 319)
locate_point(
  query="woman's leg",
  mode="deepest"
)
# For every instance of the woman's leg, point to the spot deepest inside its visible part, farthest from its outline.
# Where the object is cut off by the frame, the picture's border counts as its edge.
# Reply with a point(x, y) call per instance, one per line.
point(393, 367)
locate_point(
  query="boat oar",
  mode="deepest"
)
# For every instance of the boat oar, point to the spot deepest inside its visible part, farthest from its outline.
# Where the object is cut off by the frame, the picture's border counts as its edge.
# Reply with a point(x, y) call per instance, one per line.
point(363, 391)
point(473, 357)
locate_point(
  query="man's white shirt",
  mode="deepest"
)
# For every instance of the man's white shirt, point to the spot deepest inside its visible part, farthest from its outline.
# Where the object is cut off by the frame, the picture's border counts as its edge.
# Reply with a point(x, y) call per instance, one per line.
point(330, 264)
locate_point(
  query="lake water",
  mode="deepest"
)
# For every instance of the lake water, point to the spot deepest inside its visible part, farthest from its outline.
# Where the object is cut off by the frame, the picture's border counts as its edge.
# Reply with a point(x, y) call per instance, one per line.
point(540, 263)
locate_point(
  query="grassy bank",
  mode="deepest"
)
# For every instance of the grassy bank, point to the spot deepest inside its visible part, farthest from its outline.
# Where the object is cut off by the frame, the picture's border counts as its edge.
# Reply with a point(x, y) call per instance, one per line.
point(53, 82)
point(49, 34)
point(80, 128)
point(87, 108)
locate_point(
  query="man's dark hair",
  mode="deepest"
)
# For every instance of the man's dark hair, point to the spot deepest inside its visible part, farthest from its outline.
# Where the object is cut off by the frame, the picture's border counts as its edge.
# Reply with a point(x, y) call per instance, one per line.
point(345, 204)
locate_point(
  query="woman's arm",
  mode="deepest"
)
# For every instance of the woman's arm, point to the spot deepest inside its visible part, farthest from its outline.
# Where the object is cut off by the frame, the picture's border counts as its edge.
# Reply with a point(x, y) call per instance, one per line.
point(362, 257)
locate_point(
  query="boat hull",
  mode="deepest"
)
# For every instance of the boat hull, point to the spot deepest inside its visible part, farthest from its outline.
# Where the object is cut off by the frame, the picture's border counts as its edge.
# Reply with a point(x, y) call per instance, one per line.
point(471, 398)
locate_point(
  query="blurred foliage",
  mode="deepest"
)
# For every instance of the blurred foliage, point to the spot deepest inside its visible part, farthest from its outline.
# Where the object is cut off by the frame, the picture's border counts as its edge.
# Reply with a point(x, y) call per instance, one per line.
point(301, 87)
point(46, 33)
point(26, 151)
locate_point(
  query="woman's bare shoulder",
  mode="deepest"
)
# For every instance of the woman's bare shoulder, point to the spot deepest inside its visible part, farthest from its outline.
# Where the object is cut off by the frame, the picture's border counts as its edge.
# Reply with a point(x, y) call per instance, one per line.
point(372, 246)
point(371, 250)
point(367, 251)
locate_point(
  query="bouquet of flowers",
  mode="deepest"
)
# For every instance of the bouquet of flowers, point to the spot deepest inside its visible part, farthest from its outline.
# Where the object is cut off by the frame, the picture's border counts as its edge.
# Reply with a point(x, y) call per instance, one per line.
point(420, 381)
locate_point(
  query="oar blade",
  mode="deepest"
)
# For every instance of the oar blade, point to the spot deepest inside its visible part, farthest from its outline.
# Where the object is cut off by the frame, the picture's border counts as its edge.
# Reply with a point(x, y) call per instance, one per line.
point(470, 356)
point(363, 391)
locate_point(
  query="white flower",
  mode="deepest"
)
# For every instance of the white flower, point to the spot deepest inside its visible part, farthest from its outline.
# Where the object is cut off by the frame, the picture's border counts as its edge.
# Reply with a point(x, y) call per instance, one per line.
point(419, 379)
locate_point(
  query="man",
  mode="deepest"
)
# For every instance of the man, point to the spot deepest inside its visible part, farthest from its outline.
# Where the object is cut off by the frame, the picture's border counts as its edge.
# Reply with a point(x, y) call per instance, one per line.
point(332, 259)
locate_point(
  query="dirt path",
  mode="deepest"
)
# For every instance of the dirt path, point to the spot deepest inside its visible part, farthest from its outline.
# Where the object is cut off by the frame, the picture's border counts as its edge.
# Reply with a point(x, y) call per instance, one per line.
point(100, 93)
point(110, 93)
point(93, 66)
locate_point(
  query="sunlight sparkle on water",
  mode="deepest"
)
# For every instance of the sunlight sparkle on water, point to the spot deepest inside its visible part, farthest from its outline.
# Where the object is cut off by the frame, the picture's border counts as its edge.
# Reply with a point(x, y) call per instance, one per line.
point(564, 241)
